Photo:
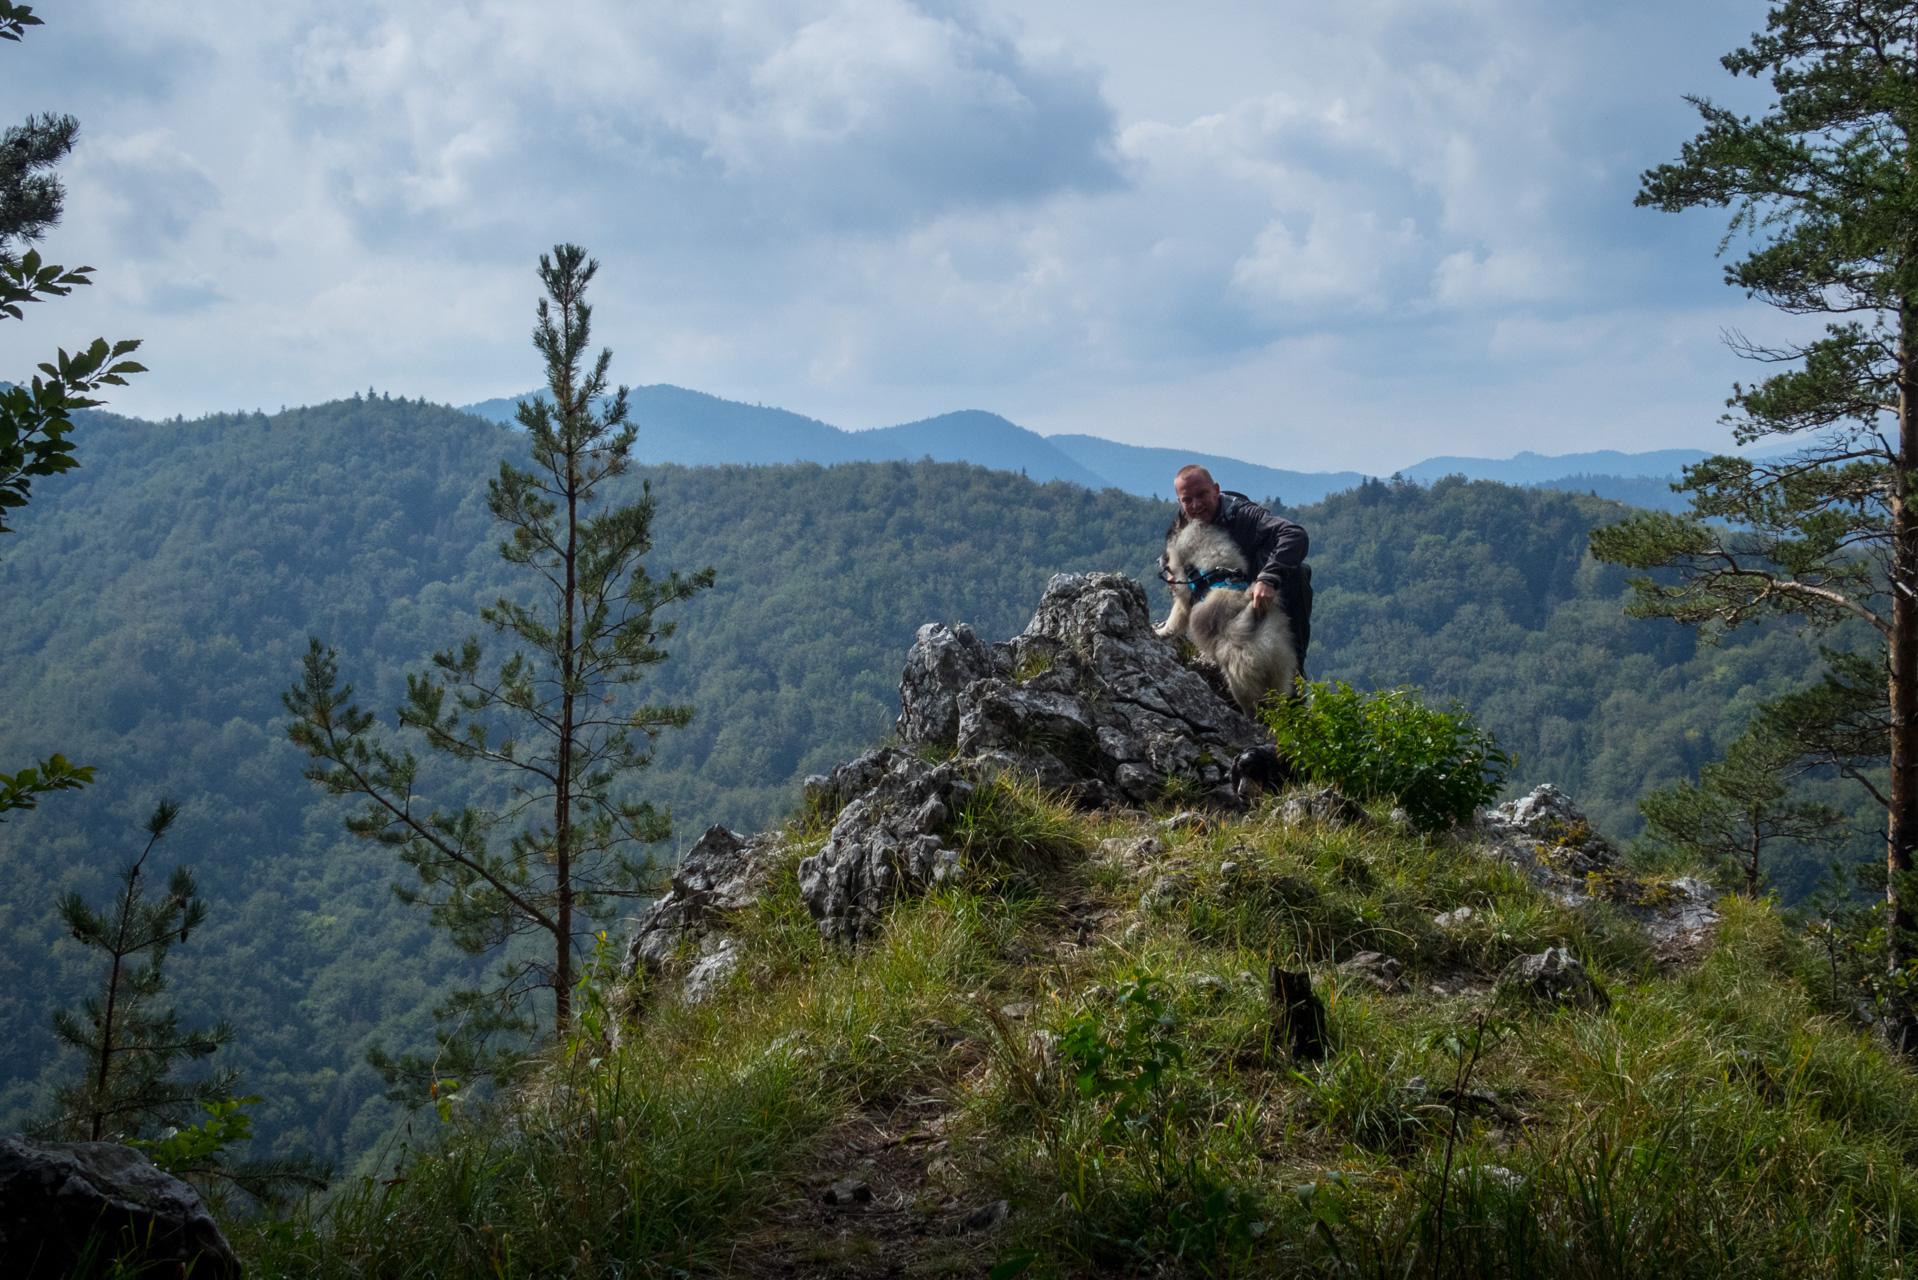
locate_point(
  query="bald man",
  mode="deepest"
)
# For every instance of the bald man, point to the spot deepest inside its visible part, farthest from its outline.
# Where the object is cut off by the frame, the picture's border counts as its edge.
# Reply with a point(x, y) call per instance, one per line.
point(1274, 546)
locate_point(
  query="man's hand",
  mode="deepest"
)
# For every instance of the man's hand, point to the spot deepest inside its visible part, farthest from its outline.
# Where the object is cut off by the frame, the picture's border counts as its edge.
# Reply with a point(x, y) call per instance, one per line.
point(1262, 597)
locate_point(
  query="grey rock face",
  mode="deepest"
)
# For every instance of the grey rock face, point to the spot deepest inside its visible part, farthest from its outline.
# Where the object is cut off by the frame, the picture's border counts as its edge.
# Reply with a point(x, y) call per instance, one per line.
point(53, 1195)
point(1377, 968)
point(1548, 837)
point(718, 961)
point(1324, 807)
point(884, 843)
point(943, 660)
point(722, 873)
point(1688, 912)
point(1552, 977)
point(1088, 697)
point(1551, 827)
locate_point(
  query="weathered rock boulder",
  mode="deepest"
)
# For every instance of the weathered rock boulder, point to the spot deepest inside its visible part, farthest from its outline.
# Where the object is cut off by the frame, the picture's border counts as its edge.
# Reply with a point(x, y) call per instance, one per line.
point(55, 1195)
point(1549, 838)
point(941, 663)
point(1553, 977)
point(885, 840)
point(1546, 829)
point(1323, 806)
point(1088, 697)
point(722, 873)
point(1377, 968)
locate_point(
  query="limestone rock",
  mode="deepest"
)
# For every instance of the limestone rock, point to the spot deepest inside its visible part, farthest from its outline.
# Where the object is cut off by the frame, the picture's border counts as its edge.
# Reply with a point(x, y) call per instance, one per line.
point(1549, 838)
point(1377, 968)
point(722, 873)
point(1551, 829)
point(942, 662)
point(1325, 807)
point(53, 1195)
point(1552, 977)
point(884, 843)
point(718, 961)
point(1089, 698)
point(1688, 911)
point(1133, 855)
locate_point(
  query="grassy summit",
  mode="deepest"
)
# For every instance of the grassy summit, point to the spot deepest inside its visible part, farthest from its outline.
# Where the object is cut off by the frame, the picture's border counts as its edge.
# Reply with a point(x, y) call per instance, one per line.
point(1112, 1074)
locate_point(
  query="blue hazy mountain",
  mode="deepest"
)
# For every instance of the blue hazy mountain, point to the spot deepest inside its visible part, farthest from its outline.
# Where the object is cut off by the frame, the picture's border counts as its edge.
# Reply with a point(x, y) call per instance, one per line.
point(690, 427)
point(696, 429)
point(1536, 468)
point(1148, 472)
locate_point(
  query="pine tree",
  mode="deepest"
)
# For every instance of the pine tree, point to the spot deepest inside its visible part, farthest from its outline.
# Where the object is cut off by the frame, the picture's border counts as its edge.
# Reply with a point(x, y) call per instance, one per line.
point(129, 1047)
point(1823, 185)
point(547, 716)
point(1739, 808)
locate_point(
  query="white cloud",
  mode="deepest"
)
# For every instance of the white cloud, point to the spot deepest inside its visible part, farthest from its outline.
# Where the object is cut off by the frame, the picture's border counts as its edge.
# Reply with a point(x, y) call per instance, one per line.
point(1114, 217)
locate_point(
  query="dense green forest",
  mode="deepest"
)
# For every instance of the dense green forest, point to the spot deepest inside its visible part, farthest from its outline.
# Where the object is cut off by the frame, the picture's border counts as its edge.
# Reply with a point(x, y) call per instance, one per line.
point(159, 598)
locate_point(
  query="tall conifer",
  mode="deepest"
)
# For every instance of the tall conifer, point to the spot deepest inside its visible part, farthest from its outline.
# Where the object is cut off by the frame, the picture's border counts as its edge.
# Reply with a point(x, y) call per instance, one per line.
point(547, 716)
point(129, 1047)
point(1822, 187)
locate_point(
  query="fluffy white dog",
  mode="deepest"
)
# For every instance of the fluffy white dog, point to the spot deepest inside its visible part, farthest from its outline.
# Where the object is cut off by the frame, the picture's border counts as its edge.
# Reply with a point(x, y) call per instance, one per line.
point(1210, 579)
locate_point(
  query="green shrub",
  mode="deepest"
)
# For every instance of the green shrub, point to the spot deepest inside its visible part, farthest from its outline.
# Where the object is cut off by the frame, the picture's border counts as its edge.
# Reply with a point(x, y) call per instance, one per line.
point(1391, 745)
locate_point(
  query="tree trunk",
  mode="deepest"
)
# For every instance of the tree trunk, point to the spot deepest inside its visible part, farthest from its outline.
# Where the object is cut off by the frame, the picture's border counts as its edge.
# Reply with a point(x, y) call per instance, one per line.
point(113, 997)
point(1902, 823)
point(572, 410)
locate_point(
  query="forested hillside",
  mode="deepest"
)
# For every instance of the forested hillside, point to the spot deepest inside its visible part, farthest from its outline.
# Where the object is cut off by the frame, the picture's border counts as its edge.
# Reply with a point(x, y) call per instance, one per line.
point(157, 602)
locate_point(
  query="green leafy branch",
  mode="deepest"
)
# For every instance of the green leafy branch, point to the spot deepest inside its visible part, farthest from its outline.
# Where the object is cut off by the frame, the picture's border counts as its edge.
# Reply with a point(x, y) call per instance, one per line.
point(21, 790)
point(37, 419)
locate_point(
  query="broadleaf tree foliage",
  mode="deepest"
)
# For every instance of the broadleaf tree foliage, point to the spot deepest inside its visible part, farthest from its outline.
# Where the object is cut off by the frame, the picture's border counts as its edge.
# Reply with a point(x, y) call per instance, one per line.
point(129, 1047)
point(1823, 187)
point(36, 419)
point(555, 860)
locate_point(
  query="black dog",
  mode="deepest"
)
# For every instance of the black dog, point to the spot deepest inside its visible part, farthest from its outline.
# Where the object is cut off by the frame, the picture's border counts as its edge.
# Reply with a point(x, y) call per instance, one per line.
point(1259, 771)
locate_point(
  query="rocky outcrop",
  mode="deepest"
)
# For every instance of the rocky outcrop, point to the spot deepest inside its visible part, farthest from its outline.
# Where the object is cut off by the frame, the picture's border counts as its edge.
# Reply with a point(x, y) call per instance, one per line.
point(1545, 829)
point(942, 662)
point(1088, 698)
point(1323, 806)
point(1553, 978)
point(885, 840)
point(55, 1196)
point(1549, 838)
point(721, 874)
point(1377, 968)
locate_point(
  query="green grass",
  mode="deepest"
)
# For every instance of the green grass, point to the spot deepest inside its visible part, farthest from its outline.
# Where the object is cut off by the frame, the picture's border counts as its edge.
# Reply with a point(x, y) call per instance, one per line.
point(1716, 1121)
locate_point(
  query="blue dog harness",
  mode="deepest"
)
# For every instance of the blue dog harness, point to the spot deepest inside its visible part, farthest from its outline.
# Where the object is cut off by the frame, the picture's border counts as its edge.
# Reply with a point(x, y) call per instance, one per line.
point(1202, 583)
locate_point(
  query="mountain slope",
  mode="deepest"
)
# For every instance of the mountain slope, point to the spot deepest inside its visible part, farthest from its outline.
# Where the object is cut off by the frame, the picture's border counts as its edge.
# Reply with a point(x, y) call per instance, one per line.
point(1536, 468)
point(1137, 469)
point(158, 599)
point(983, 439)
point(695, 429)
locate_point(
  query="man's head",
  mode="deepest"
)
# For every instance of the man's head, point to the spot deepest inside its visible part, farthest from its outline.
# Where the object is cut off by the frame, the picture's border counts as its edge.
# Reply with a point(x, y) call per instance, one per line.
point(1198, 493)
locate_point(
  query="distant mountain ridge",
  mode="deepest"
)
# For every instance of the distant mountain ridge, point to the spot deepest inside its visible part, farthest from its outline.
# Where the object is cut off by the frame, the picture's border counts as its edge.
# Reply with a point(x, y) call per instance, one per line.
point(696, 429)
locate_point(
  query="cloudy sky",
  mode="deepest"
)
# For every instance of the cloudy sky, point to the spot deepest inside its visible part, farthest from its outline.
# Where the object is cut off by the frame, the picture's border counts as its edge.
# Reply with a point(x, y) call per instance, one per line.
point(1313, 235)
